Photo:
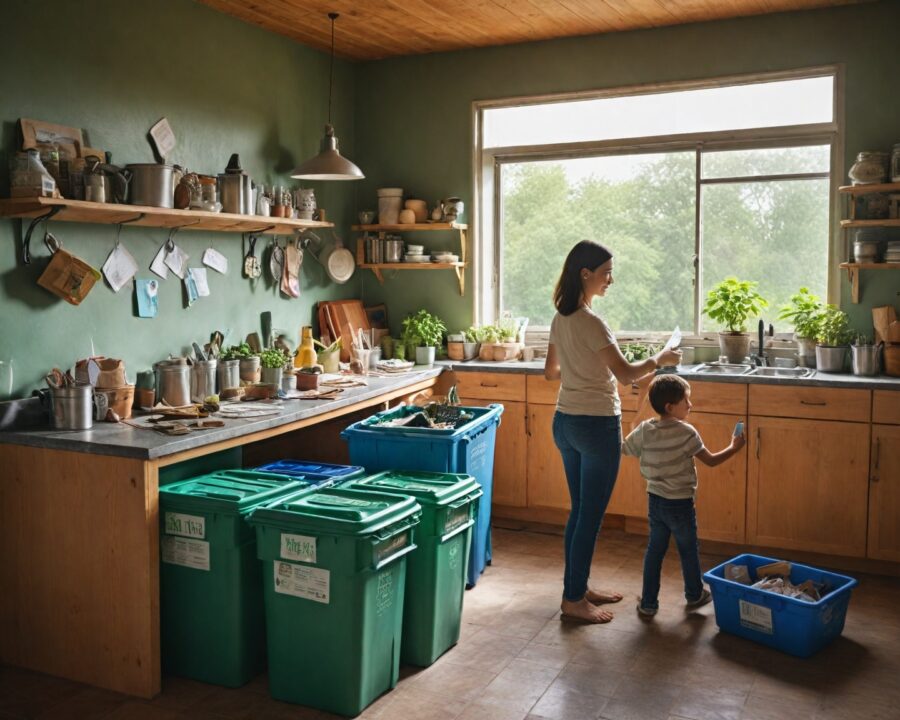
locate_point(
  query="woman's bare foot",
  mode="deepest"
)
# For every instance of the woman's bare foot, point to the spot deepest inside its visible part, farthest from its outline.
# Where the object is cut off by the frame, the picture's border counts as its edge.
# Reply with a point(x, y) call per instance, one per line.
point(584, 611)
point(601, 597)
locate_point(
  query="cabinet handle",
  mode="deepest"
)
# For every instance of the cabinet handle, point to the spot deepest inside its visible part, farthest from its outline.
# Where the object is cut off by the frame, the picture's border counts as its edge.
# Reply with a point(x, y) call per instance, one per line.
point(810, 402)
point(484, 384)
point(877, 458)
point(527, 425)
point(758, 442)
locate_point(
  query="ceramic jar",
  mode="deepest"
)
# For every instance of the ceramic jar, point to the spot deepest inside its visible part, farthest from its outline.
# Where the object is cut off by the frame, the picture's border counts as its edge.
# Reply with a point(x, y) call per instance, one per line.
point(419, 207)
point(869, 168)
point(390, 200)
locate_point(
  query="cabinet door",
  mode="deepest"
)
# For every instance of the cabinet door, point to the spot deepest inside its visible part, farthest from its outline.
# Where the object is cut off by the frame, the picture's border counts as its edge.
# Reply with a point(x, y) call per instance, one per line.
point(509, 453)
point(721, 490)
point(808, 485)
point(630, 494)
point(546, 478)
point(884, 494)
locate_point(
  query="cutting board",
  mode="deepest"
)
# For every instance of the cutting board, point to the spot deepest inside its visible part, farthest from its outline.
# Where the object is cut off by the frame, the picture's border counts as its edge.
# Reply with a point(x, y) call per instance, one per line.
point(341, 319)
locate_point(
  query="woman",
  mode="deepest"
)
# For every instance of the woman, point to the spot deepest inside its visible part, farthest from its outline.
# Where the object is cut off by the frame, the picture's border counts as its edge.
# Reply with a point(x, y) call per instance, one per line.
point(583, 354)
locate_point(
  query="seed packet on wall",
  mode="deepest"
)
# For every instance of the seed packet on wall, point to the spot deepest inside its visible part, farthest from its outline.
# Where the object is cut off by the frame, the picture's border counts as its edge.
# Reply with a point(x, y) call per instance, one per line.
point(119, 267)
point(199, 277)
point(190, 289)
point(216, 260)
point(147, 292)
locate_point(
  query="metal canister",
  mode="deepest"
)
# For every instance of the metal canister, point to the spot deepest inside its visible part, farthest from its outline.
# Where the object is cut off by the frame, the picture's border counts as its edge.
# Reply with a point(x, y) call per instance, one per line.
point(73, 407)
point(152, 185)
point(173, 384)
point(231, 192)
point(229, 374)
point(203, 380)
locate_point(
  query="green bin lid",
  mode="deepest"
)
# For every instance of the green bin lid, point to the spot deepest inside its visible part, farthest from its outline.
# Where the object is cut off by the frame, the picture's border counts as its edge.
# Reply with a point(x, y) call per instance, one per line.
point(429, 488)
point(337, 511)
point(230, 490)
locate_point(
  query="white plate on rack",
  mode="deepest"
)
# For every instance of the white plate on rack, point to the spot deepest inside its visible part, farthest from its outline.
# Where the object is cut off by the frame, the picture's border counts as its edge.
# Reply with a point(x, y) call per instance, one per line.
point(417, 258)
point(448, 258)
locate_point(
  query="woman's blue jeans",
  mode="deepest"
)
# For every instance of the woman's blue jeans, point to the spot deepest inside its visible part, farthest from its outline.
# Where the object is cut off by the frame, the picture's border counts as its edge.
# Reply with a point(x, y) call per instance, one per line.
point(668, 518)
point(590, 446)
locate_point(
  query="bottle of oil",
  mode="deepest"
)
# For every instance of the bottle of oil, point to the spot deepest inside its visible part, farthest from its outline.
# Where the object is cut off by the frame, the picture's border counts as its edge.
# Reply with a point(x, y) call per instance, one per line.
point(306, 353)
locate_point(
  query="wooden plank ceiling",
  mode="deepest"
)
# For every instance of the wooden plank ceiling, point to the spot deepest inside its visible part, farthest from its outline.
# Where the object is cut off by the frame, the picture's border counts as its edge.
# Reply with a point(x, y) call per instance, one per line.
point(375, 29)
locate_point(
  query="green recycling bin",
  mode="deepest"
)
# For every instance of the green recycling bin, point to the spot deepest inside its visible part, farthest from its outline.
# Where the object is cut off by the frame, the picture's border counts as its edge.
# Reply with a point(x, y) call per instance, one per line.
point(436, 571)
point(212, 621)
point(334, 568)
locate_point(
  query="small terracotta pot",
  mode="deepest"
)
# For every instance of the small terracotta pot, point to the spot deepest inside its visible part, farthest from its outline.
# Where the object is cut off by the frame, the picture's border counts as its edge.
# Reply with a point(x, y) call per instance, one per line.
point(307, 381)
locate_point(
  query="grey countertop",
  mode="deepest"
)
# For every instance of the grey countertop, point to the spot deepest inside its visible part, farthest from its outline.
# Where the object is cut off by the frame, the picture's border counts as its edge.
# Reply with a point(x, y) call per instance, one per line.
point(819, 379)
point(127, 441)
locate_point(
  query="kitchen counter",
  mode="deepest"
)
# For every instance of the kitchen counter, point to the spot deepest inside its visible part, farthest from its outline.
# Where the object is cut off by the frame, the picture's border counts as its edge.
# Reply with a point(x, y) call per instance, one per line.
point(125, 440)
point(79, 528)
point(819, 379)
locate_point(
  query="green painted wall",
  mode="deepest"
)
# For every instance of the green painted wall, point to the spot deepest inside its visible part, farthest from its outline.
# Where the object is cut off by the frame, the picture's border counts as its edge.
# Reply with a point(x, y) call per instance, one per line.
point(114, 68)
point(415, 127)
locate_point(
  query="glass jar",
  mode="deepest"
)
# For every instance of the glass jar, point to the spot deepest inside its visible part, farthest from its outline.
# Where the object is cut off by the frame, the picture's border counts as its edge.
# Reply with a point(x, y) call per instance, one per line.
point(208, 200)
point(869, 168)
point(895, 163)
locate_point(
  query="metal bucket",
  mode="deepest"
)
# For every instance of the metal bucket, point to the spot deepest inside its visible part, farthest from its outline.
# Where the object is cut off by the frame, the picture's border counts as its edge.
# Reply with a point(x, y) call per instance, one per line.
point(229, 374)
point(203, 380)
point(152, 185)
point(866, 359)
point(831, 358)
point(73, 407)
point(173, 384)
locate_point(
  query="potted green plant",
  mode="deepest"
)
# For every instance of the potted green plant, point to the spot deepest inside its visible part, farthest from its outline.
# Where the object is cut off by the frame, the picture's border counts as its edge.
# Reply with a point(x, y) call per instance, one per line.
point(330, 356)
point(455, 345)
point(732, 302)
point(424, 331)
point(273, 361)
point(470, 343)
point(248, 361)
point(487, 336)
point(804, 312)
point(832, 339)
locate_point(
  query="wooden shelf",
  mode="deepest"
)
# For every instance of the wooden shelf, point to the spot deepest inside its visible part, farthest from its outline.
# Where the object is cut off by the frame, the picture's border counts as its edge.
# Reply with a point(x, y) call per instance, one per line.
point(869, 189)
point(144, 216)
point(458, 267)
point(853, 274)
point(893, 222)
point(410, 227)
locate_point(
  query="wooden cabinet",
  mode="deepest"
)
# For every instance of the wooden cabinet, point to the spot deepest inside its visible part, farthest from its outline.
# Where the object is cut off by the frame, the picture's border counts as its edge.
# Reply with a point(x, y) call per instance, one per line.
point(547, 486)
point(721, 490)
point(815, 403)
point(497, 387)
point(884, 494)
point(509, 451)
point(807, 485)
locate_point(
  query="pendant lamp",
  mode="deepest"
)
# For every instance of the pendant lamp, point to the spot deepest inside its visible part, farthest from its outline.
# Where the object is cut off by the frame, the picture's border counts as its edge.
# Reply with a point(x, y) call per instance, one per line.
point(329, 164)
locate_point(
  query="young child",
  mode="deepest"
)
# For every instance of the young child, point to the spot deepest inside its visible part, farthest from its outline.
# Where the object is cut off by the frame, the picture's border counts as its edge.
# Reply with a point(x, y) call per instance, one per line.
point(667, 447)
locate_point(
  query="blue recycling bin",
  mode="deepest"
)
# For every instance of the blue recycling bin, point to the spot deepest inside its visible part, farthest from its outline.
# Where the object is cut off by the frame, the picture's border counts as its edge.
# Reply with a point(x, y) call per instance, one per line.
point(468, 449)
point(318, 473)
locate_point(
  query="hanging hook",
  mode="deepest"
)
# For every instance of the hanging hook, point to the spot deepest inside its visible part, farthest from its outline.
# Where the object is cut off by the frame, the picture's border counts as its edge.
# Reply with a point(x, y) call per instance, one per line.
point(139, 216)
point(191, 224)
point(26, 240)
point(263, 230)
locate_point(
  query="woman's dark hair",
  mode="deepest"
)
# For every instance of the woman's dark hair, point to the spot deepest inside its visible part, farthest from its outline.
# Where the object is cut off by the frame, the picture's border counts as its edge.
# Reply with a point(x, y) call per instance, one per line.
point(667, 390)
point(586, 254)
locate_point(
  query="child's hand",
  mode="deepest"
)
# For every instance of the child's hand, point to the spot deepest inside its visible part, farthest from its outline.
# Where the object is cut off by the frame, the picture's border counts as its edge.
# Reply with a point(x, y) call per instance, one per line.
point(738, 441)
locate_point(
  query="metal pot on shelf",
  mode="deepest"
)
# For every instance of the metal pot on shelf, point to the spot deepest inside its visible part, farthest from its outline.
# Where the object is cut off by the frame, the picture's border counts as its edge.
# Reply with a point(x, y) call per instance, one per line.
point(152, 184)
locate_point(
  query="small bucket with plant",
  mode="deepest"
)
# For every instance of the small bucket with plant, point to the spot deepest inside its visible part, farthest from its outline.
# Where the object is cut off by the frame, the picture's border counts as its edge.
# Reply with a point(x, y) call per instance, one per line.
point(273, 361)
point(832, 339)
point(732, 302)
point(423, 331)
point(329, 356)
point(804, 311)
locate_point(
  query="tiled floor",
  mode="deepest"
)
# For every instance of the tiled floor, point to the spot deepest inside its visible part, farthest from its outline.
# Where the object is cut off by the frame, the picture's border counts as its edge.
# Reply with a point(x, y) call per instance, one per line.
point(516, 660)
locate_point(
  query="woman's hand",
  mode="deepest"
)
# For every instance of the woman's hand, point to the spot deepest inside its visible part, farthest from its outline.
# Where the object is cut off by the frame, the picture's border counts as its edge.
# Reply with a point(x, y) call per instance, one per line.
point(667, 358)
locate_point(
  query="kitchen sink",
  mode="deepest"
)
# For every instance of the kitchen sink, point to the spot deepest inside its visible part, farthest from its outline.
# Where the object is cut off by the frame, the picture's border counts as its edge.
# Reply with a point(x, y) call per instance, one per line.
point(717, 368)
point(797, 372)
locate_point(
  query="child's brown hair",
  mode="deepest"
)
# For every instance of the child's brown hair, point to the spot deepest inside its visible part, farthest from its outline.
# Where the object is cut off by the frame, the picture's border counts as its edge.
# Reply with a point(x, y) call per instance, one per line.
point(666, 390)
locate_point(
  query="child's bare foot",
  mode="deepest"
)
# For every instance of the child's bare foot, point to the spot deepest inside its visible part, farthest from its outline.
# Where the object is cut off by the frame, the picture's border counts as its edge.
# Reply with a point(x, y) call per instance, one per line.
point(601, 597)
point(584, 611)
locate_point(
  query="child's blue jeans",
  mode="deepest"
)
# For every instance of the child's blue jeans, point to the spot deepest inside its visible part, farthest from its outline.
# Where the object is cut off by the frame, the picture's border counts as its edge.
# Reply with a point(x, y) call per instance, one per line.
point(678, 518)
point(591, 449)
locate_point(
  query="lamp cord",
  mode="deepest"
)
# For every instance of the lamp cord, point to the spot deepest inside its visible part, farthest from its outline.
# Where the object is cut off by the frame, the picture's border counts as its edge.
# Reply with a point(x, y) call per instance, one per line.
point(333, 16)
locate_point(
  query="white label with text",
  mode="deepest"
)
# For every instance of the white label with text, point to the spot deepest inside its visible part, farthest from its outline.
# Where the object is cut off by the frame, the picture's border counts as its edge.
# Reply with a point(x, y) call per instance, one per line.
point(756, 617)
point(184, 551)
point(302, 581)
point(193, 526)
point(298, 547)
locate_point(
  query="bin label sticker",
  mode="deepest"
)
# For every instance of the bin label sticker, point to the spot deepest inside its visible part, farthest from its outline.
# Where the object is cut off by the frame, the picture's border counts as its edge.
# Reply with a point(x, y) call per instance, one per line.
point(192, 526)
point(390, 546)
point(458, 517)
point(298, 547)
point(185, 551)
point(756, 617)
point(302, 581)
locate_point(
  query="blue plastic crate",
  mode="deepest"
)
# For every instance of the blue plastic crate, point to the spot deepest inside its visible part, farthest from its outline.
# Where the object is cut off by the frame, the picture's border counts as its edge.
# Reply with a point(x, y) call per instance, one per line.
point(466, 449)
point(793, 626)
point(320, 474)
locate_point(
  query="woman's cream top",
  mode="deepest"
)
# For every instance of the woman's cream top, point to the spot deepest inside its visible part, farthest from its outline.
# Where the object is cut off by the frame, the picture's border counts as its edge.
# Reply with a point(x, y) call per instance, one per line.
point(588, 386)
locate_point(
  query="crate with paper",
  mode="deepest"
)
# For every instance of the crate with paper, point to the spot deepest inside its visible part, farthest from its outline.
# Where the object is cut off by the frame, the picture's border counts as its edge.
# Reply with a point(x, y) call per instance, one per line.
point(794, 608)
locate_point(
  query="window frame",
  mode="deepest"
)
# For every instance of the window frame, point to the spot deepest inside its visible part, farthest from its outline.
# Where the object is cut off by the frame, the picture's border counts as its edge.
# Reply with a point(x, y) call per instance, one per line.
point(488, 165)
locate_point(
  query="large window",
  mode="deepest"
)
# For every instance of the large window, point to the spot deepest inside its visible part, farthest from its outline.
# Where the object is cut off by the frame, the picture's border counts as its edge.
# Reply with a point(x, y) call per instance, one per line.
point(685, 186)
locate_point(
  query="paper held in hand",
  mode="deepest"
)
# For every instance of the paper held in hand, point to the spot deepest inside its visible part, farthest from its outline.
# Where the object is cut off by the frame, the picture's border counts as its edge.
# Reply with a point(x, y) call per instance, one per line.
point(674, 341)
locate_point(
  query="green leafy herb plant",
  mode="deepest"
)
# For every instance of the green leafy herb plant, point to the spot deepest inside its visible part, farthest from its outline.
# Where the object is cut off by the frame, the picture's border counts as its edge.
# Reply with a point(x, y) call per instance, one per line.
point(237, 352)
point(423, 329)
point(805, 312)
point(834, 328)
point(732, 302)
point(273, 358)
